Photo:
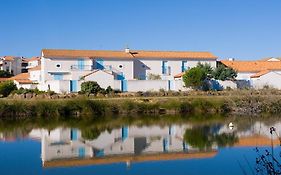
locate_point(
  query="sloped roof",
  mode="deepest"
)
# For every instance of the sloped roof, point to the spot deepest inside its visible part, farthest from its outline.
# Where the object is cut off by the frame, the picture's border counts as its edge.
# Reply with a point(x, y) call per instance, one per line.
point(179, 75)
point(252, 66)
point(122, 54)
point(22, 78)
point(33, 59)
point(261, 73)
point(95, 71)
point(9, 58)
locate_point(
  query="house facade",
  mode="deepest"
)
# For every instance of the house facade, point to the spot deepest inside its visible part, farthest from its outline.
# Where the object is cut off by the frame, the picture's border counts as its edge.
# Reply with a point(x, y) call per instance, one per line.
point(257, 74)
point(14, 65)
point(65, 70)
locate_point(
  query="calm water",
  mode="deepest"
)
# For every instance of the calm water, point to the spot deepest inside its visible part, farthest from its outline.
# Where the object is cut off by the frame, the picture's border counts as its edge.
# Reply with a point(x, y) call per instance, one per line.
point(172, 148)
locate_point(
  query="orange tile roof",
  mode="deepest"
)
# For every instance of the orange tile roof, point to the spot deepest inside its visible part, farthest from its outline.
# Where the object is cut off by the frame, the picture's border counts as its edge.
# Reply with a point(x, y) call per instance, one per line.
point(261, 73)
point(126, 158)
point(95, 72)
point(33, 59)
point(22, 78)
point(252, 66)
point(256, 140)
point(124, 55)
point(9, 58)
point(179, 75)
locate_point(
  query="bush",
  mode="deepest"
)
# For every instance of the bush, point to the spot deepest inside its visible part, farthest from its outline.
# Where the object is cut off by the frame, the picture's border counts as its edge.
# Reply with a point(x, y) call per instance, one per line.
point(5, 74)
point(194, 77)
point(7, 87)
point(90, 87)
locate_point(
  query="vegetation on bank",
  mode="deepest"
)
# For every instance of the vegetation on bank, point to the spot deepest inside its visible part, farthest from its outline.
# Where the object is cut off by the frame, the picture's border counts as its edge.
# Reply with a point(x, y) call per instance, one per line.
point(90, 108)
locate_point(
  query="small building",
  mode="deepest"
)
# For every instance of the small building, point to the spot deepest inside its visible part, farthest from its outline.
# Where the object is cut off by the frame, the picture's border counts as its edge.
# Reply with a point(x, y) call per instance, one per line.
point(257, 74)
point(12, 64)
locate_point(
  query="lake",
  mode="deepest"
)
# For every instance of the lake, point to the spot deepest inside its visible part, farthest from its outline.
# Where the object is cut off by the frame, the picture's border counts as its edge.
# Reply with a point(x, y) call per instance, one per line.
point(169, 146)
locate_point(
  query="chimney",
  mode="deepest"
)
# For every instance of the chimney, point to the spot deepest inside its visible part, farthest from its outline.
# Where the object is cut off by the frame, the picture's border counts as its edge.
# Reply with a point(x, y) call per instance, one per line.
point(231, 59)
point(127, 50)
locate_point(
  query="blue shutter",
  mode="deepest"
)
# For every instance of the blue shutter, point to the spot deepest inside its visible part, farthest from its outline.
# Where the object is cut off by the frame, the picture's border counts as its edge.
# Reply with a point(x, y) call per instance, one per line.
point(183, 66)
point(73, 85)
point(73, 134)
point(124, 85)
point(164, 67)
point(99, 64)
point(81, 152)
point(81, 64)
point(58, 76)
point(125, 133)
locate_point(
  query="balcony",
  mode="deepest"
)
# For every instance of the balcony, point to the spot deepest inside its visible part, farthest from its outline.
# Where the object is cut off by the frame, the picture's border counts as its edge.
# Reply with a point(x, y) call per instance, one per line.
point(81, 67)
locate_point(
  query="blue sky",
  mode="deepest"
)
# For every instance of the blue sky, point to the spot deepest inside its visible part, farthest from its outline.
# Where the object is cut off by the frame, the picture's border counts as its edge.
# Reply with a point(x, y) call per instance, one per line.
point(243, 29)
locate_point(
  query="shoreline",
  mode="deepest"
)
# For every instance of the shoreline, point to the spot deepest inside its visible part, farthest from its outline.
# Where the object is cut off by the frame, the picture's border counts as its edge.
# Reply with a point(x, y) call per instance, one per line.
point(82, 107)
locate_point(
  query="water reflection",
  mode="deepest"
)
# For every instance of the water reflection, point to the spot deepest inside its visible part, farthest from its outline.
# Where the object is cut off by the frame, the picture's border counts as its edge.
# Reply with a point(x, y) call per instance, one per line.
point(70, 146)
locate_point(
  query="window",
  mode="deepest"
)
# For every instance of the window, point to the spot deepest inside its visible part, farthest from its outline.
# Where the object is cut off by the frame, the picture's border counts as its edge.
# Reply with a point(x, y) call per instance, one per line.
point(164, 67)
point(58, 76)
point(143, 66)
point(183, 66)
point(58, 65)
point(120, 66)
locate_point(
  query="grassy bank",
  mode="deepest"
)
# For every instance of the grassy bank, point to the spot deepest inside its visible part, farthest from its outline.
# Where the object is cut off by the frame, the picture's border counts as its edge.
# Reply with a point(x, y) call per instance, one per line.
point(88, 108)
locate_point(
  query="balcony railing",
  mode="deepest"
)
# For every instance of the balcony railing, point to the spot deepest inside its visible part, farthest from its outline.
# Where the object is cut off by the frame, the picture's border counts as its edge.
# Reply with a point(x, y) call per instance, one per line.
point(82, 67)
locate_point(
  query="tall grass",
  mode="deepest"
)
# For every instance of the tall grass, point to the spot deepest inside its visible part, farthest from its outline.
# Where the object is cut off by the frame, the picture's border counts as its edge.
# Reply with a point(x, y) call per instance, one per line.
point(89, 108)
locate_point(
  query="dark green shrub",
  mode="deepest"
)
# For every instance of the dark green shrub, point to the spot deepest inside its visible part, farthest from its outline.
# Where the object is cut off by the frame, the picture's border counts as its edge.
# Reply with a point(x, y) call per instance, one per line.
point(90, 87)
point(7, 87)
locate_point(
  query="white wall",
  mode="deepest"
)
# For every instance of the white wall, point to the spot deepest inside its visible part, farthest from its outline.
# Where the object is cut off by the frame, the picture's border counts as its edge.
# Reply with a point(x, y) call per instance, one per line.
point(227, 83)
point(244, 75)
point(58, 86)
point(104, 79)
point(146, 85)
point(127, 67)
point(154, 66)
point(271, 79)
point(35, 75)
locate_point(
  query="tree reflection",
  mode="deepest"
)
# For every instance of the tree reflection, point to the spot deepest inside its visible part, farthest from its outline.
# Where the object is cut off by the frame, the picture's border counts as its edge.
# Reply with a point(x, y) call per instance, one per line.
point(203, 137)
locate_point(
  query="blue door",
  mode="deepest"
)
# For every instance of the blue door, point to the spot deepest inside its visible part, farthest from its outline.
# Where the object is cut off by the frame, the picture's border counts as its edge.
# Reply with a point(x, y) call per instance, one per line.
point(58, 76)
point(81, 152)
point(164, 67)
point(165, 144)
point(99, 153)
point(125, 132)
point(183, 66)
point(73, 134)
point(124, 85)
point(73, 85)
point(81, 64)
point(99, 64)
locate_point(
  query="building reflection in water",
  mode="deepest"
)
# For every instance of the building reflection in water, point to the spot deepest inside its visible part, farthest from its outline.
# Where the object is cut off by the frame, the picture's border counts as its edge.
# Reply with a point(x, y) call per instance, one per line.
point(67, 146)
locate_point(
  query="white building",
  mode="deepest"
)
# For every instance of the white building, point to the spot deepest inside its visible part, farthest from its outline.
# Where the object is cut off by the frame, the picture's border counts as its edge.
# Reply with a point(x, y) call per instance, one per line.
point(258, 74)
point(14, 65)
point(65, 70)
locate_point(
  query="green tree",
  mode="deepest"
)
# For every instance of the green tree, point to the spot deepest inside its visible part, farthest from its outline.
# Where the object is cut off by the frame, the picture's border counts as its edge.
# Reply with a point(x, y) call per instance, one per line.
point(194, 77)
point(90, 87)
point(90, 133)
point(224, 73)
point(206, 68)
point(5, 74)
point(7, 87)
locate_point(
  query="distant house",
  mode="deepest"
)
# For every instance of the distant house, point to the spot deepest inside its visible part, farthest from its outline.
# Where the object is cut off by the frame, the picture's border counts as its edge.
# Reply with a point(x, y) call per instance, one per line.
point(265, 72)
point(65, 70)
point(12, 64)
